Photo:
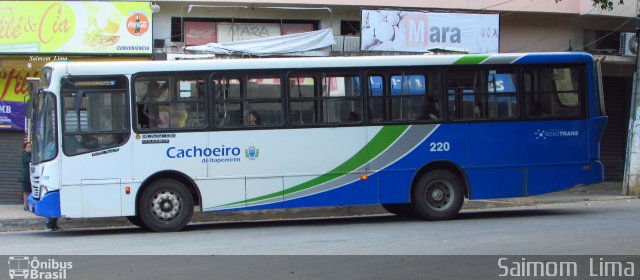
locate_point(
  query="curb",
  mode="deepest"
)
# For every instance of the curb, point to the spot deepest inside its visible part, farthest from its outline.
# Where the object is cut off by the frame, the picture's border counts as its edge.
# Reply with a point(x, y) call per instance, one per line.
point(37, 223)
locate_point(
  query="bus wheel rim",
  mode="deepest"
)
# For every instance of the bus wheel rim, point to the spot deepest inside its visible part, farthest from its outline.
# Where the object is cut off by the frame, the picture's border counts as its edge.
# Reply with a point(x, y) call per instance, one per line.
point(166, 205)
point(439, 195)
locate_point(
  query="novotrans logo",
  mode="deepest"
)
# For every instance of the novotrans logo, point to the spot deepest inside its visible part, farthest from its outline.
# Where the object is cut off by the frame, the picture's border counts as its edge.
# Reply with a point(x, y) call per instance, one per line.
point(251, 153)
point(547, 133)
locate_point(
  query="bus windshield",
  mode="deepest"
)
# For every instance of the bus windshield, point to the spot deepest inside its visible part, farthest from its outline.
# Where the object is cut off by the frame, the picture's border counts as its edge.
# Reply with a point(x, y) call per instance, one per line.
point(44, 127)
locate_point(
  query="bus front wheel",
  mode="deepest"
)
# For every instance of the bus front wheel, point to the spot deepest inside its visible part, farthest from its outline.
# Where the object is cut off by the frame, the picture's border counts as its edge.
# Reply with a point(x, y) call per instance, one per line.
point(438, 195)
point(166, 205)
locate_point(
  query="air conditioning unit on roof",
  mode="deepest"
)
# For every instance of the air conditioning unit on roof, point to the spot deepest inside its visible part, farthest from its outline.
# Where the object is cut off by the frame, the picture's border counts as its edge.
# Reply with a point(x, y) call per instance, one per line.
point(628, 44)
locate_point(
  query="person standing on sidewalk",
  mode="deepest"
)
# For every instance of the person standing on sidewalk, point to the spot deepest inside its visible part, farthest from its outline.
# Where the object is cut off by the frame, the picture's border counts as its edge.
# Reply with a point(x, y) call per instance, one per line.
point(51, 224)
point(26, 180)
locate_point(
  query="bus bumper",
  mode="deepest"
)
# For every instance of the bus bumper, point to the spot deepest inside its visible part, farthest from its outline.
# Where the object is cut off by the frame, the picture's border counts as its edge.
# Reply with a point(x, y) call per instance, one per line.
point(47, 206)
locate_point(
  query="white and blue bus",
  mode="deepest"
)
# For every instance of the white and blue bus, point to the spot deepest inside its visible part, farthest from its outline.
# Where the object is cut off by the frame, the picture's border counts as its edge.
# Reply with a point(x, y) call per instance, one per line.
point(152, 141)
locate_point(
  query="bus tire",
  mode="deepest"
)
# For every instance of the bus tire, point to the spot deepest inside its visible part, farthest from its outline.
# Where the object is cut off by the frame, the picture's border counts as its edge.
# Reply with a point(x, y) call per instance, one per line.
point(166, 205)
point(135, 220)
point(438, 195)
point(399, 209)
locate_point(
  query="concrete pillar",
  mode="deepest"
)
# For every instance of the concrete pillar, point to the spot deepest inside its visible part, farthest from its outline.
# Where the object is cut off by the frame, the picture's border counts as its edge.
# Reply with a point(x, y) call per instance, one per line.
point(632, 166)
point(631, 184)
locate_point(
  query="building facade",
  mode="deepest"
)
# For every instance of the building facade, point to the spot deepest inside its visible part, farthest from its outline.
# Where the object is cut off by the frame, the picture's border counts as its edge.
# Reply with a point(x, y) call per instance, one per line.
point(522, 26)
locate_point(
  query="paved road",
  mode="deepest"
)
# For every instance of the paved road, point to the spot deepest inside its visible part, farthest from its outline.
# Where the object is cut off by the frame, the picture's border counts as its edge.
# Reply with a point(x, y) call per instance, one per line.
point(598, 227)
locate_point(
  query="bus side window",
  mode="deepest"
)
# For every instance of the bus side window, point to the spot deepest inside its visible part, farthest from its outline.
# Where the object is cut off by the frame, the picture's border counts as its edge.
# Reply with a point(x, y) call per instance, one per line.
point(407, 91)
point(302, 103)
point(552, 92)
point(228, 103)
point(376, 98)
point(462, 89)
point(148, 93)
point(263, 103)
point(341, 99)
point(188, 104)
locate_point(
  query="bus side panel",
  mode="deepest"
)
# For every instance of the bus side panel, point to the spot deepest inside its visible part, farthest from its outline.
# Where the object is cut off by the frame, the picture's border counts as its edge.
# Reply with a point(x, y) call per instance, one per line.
point(344, 152)
point(70, 196)
point(395, 186)
point(556, 142)
point(496, 144)
point(222, 191)
point(261, 186)
point(358, 192)
point(311, 166)
point(557, 151)
point(496, 182)
point(427, 144)
point(546, 179)
point(101, 198)
point(532, 157)
point(97, 183)
point(129, 200)
point(496, 159)
point(182, 152)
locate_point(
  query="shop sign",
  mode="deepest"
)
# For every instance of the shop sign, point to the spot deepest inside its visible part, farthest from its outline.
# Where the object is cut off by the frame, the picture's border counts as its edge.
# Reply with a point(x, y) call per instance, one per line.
point(32, 27)
point(413, 31)
point(234, 32)
point(199, 33)
point(13, 93)
point(294, 28)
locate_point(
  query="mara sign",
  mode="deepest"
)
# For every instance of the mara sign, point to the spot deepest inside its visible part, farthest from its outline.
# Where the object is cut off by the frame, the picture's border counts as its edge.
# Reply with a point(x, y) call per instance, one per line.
point(404, 31)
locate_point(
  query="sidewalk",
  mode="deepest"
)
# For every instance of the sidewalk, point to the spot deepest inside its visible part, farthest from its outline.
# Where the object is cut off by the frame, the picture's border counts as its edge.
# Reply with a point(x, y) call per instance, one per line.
point(14, 218)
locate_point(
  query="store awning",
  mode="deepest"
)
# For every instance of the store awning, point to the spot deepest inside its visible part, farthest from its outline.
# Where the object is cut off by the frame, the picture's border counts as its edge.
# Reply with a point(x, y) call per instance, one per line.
point(314, 43)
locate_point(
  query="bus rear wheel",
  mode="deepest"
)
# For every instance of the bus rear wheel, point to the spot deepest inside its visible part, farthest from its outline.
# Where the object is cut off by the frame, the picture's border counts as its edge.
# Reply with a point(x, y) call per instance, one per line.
point(438, 195)
point(166, 205)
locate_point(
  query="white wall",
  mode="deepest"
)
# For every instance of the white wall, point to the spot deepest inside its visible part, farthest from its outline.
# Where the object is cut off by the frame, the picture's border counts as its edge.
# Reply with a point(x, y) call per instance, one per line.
point(546, 6)
point(520, 31)
point(529, 32)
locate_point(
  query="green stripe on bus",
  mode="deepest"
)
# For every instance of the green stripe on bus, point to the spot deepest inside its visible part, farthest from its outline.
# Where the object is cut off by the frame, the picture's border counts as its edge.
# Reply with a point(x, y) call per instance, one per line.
point(375, 147)
point(471, 59)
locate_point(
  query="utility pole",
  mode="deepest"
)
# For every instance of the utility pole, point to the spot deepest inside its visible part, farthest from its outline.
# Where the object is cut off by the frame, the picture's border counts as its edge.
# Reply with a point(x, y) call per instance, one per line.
point(631, 183)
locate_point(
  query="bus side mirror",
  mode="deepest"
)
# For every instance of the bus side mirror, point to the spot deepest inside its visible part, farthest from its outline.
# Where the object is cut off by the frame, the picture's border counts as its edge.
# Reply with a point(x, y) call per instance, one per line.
point(32, 85)
point(28, 110)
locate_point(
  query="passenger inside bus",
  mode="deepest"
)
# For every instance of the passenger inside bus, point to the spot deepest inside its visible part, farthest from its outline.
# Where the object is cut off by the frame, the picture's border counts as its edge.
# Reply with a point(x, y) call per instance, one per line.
point(157, 92)
point(154, 115)
point(429, 109)
point(353, 117)
point(253, 118)
point(178, 118)
point(477, 113)
point(164, 116)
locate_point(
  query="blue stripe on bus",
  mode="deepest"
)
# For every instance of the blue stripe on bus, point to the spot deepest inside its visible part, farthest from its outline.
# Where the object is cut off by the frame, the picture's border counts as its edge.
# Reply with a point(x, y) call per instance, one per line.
point(553, 59)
